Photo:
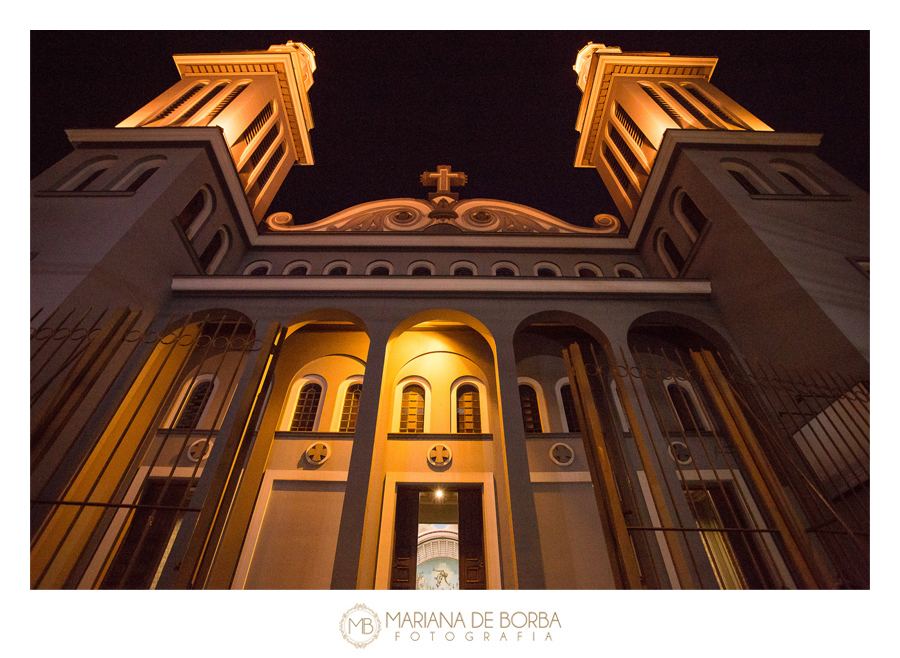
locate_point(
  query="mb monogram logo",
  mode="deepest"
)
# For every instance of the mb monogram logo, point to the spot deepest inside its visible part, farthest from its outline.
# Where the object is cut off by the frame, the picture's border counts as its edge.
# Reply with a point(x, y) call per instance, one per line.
point(360, 626)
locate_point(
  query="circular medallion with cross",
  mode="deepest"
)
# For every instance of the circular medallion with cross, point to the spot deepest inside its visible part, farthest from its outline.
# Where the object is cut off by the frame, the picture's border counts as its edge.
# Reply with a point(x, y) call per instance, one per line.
point(317, 453)
point(199, 449)
point(439, 455)
point(562, 454)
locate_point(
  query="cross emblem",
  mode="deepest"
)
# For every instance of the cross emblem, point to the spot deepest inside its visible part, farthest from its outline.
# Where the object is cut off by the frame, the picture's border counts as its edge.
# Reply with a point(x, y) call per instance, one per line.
point(439, 455)
point(563, 454)
point(443, 179)
point(317, 453)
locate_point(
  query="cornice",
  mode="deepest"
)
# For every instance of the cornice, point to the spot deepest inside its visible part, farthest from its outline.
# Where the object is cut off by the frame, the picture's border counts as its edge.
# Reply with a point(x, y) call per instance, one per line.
point(475, 286)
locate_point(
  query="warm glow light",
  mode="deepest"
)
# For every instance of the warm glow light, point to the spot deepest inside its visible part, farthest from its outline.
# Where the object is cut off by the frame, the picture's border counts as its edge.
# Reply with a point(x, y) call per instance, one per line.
point(439, 494)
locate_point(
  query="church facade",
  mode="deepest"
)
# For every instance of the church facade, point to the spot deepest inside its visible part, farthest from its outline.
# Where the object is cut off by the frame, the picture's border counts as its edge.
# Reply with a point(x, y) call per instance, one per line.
point(445, 392)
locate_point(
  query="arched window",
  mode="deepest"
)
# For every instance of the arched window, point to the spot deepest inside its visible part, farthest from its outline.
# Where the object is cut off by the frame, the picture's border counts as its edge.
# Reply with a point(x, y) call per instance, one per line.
point(380, 268)
point(193, 406)
point(307, 409)
point(222, 104)
point(531, 413)
point(799, 180)
point(627, 271)
point(350, 409)
point(337, 269)
point(468, 410)
point(570, 416)
point(196, 211)
point(463, 268)
point(505, 268)
point(748, 178)
point(420, 268)
point(741, 178)
point(412, 410)
point(215, 250)
point(297, 268)
point(259, 268)
point(139, 173)
point(692, 220)
point(669, 253)
point(588, 271)
point(87, 174)
point(687, 407)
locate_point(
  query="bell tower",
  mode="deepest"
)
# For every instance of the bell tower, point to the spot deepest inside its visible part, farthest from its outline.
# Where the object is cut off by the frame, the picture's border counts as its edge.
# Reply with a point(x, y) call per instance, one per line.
point(629, 101)
point(257, 98)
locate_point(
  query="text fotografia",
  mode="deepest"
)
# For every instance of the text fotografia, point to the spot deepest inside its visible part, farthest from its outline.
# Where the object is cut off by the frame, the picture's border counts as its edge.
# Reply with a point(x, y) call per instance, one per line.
point(478, 626)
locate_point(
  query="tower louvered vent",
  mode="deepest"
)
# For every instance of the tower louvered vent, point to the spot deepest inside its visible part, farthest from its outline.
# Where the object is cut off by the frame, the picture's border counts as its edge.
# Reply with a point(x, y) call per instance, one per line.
point(689, 106)
point(257, 124)
point(260, 151)
point(269, 169)
point(225, 101)
point(663, 104)
point(616, 168)
point(181, 100)
point(711, 105)
point(620, 144)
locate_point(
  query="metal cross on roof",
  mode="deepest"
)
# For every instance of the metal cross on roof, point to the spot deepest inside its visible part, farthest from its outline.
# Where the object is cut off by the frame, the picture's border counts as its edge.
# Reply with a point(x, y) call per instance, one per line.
point(443, 178)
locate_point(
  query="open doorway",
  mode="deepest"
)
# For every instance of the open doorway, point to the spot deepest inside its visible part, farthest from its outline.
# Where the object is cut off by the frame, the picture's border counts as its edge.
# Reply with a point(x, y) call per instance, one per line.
point(438, 538)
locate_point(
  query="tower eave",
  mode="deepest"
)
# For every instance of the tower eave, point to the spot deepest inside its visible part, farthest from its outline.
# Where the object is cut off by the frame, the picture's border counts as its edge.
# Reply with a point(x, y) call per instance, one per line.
point(604, 67)
point(294, 78)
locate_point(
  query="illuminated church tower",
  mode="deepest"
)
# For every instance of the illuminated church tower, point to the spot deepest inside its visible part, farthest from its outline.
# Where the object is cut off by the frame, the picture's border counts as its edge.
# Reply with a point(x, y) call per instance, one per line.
point(198, 165)
point(259, 101)
point(629, 101)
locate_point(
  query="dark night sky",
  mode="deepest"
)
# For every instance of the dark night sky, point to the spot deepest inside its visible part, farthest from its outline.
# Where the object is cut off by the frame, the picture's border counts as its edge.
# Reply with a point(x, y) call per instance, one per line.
point(500, 106)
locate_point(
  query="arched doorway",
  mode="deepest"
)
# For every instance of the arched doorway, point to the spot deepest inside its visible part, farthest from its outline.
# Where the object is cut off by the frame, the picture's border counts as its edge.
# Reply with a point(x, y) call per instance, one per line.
point(437, 450)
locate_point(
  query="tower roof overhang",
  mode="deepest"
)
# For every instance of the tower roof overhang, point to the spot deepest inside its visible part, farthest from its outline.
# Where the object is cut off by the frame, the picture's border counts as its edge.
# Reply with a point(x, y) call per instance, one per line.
point(292, 63)
point(597, 72)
